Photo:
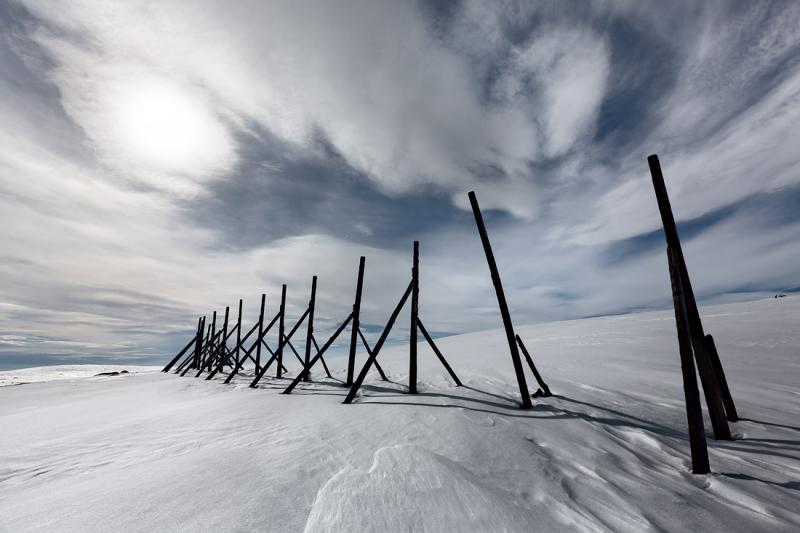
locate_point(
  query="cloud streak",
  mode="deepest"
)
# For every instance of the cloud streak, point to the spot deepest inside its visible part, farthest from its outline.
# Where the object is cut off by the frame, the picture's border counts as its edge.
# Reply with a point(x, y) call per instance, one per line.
point(161, 160)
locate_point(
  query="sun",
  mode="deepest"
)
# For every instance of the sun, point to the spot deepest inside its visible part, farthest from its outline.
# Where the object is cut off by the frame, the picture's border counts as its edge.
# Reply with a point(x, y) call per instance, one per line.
point(170, 128)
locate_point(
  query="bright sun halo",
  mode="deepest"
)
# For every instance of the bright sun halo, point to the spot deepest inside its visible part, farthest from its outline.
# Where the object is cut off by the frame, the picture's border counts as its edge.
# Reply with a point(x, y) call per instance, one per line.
point(166, 127)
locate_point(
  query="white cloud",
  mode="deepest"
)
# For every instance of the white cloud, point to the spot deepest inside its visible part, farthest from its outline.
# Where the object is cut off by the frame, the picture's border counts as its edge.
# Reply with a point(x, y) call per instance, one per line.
point(755, 153)
point(399, 104)
point(729, 57)
point(569, 70)
point(110, 266)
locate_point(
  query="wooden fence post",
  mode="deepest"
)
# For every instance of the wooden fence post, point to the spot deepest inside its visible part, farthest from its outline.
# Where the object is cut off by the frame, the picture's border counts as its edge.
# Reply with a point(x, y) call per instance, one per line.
point(412, 351)
point(260, 331)
point(694, 413)
point(198, 349)
point(175, 359)
point(238, 333)
point(279, 350)
point(545, 389)
point(716, 364)
point(501, 302)
point(221, 350)
point(377, 348)
point(310, 330)
point(351, 360)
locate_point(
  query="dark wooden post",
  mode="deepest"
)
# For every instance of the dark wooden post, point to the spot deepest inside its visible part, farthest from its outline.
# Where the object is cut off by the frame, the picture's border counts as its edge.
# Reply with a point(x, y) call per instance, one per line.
point(377, 348)
point(210, 347)
point(213, 346)
point(727, 399)
point(238, 333)
point(351, 360)
point(198, 347)
point(279, 351)
point(260, 370)
point(438, 353)
point(198, 363)
point(175, 359)
point(310, 330)
point(694, 414)
point(318, 357)
point(207, 344)
point(501, 302)
point(529, 359)
point(221, 350)
point(412, 352)
point(286, 340)
point(225, 335)
point(705, 367)
point(260, 332)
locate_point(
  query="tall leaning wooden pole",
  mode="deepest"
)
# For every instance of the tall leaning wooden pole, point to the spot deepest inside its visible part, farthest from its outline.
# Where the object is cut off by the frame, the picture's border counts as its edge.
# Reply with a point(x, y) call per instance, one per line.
point(238, 334)
point(351, 360)
point(412, 349)
point(694, 412)
point(501, 302)
point(710, 377)
point(198, 347)
point(260, 333)
point(310, 330)
point(281, 326)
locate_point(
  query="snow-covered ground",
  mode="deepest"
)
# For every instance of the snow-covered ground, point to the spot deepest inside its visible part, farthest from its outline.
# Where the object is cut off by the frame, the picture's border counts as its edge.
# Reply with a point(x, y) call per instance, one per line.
point(148, 451)
point(40, 374)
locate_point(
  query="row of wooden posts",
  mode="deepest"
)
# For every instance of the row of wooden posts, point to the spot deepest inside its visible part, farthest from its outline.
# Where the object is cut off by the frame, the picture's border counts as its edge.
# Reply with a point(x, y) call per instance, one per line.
point(208, 350)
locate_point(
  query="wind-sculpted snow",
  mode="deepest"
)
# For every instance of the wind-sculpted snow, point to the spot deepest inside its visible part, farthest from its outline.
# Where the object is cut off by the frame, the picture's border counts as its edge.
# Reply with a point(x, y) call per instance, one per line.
point(155, 452)
point(417, 490)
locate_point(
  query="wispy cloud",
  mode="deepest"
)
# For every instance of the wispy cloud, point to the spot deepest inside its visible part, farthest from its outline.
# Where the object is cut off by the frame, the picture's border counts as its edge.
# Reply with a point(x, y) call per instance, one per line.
point(163, 159)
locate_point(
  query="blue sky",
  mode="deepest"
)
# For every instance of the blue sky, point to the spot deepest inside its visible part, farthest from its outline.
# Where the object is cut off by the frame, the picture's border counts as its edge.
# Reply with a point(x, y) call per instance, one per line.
point(163, 159)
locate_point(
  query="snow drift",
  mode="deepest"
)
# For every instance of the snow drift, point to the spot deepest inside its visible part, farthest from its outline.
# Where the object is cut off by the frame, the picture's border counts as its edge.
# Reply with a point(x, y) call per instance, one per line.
point(148, 451)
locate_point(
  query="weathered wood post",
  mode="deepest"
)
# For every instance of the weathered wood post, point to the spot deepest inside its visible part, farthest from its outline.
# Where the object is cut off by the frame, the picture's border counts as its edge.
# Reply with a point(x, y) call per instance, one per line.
point(319, 357)
point(221, 350)
point(310, 329)
point(412, 352)
point(438, 353)
point(542, 385)
point(708, 377)
point(377, 348)
point(224, 336)
point(260, 332)
point(185, 367)
point(213, 346)
point(727, 399)
point(198, 347)
point(238, 333)
point(286, 340)
point(501, 302)
point(259, 369)
point(351, 360)
point(175, 359)
point(207, 344)
point(694, 413)
point(281, 325)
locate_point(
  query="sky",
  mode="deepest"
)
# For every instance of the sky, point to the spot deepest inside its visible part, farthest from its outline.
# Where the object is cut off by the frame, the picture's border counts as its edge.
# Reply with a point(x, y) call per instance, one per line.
point(161, 160)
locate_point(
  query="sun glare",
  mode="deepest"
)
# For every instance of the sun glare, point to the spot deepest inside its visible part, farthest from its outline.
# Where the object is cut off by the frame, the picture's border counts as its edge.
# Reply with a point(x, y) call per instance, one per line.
point(166, 127)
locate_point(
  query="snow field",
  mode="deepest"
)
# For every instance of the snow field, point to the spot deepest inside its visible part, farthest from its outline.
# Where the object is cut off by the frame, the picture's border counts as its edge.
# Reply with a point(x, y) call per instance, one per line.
point(156, 452)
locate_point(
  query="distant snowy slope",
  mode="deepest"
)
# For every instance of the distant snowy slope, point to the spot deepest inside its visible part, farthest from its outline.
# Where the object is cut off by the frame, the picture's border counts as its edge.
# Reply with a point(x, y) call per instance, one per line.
point(40, 374)
point(156, 452)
